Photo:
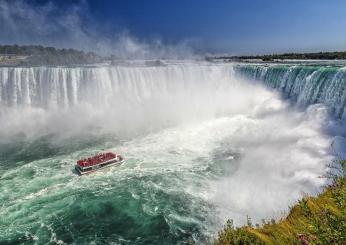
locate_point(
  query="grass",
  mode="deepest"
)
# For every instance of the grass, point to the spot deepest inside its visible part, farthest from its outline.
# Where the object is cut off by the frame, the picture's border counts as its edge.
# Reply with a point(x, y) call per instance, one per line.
point(313, 220)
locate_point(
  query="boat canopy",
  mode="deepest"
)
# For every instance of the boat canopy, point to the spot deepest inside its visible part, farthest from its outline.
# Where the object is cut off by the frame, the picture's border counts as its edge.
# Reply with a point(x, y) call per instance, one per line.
point(97, 159)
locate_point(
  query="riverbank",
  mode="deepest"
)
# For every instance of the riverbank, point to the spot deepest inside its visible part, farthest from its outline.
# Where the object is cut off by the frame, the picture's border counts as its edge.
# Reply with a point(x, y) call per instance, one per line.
point(281, 57)
point(36, 55)
point(12, 60)
point(313, 220)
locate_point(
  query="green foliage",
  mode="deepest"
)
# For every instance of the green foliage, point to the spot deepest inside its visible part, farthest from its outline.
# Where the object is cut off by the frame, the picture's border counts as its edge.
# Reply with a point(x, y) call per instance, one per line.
point(342, 168)
point(236, 236)
point(291, 56)
point(313, 220)
point(329, 224)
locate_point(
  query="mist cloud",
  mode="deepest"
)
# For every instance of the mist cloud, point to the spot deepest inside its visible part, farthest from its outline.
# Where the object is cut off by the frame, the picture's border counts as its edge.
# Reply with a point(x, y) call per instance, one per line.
point(71, 26)
point(230, 144)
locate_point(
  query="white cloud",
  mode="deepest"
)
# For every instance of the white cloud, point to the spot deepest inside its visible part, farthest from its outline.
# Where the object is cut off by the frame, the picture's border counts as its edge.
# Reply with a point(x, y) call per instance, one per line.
point(73, 27)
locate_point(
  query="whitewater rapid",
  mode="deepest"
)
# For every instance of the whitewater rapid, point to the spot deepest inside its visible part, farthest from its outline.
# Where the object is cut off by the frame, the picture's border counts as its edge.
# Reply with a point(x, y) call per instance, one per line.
point(201, 146)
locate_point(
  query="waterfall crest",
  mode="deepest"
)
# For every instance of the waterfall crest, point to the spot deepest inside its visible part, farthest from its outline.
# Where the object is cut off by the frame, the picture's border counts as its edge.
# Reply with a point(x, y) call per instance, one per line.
point(304, 84)
point(48, 87)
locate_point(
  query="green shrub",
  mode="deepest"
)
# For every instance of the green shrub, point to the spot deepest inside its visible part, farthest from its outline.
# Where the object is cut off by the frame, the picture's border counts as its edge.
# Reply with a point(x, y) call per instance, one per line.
point(313, 220)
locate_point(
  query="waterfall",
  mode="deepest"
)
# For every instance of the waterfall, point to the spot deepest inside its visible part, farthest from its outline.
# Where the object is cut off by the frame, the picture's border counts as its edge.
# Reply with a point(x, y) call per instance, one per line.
point(304, 84)
point(49, 87)
point(63, 87)
point(200, 146)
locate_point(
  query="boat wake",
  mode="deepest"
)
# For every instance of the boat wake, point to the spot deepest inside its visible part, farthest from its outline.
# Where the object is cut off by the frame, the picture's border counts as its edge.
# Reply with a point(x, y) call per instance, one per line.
point(201, 146)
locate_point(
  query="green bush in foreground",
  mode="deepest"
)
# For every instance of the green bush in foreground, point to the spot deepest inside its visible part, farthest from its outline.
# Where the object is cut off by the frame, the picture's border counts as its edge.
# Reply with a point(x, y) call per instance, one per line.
point(314, 220)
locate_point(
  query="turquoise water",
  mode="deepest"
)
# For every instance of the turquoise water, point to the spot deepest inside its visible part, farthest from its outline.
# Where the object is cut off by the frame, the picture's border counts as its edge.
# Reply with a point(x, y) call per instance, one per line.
point(305, 84)
point(201, 146)
point(136, 203)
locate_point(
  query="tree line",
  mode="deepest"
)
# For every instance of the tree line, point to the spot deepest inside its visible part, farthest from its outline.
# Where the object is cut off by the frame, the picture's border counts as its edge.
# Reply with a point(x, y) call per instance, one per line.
point(290, 56)
point(40, 55)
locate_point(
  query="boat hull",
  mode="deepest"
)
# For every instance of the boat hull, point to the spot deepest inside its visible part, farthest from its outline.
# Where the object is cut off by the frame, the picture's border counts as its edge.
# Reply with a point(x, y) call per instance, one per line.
point(91, 169)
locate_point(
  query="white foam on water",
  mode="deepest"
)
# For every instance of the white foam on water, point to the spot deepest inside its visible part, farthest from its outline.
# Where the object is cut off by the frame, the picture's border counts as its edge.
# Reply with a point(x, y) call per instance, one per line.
point(226, 147)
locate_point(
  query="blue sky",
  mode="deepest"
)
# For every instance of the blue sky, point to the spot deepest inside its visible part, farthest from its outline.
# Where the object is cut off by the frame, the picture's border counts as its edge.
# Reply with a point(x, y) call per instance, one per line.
point(233, 26)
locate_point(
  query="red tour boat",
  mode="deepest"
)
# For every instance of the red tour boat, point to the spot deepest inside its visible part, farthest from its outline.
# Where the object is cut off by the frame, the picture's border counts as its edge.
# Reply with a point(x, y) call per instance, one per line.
point(97, 162)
